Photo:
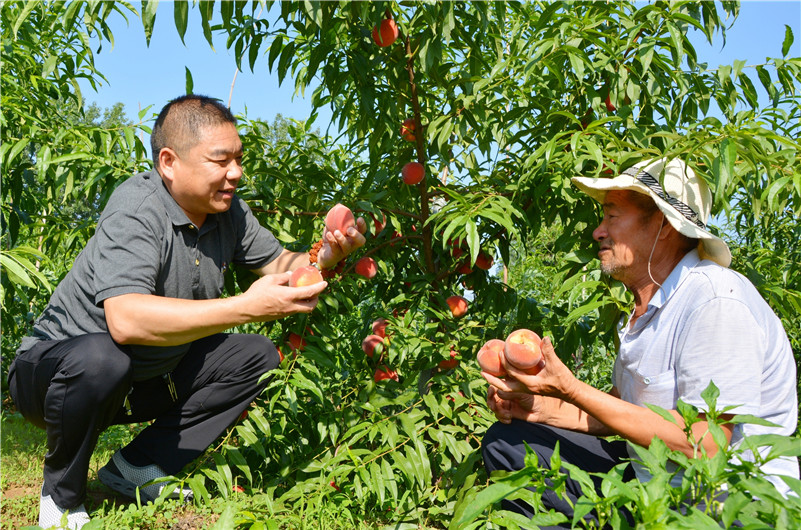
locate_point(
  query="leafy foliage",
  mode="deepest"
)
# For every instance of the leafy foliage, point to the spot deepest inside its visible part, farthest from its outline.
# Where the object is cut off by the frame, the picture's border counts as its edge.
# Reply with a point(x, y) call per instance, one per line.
point(509, 101)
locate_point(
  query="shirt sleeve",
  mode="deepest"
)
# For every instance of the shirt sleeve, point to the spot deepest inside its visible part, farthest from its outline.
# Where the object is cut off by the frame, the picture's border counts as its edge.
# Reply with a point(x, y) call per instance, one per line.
point(256, 246)
point(127, 256)
point(723, 343)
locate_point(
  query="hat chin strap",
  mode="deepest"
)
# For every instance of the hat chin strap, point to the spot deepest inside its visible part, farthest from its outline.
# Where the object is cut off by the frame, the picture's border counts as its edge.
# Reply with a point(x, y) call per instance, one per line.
point(652, 252)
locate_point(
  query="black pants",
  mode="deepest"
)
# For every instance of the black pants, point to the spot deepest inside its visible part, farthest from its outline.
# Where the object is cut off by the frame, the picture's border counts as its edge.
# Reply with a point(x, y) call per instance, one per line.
point(503, 449)
point(75, 388)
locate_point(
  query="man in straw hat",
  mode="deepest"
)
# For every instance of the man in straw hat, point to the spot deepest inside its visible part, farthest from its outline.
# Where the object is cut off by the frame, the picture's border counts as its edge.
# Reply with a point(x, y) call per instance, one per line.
point(694, 321)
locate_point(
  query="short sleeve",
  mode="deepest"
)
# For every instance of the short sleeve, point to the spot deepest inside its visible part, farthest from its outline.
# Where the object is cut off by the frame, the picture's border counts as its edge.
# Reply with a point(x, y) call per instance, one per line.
point(256, 246)
point(721, 342)
point(127, 256)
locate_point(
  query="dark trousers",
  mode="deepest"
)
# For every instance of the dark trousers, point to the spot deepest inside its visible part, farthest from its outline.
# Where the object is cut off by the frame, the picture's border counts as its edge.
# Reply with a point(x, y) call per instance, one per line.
point(75, 388)
point(503, 449)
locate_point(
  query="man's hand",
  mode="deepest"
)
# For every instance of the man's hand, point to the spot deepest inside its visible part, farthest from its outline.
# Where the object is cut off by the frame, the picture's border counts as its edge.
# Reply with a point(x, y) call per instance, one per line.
point(554, 380)
point(337, 245)
point(269, 297)
point(519, 406)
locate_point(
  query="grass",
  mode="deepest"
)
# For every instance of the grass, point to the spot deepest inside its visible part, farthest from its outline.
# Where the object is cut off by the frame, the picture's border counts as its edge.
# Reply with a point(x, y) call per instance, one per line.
point(22, 451)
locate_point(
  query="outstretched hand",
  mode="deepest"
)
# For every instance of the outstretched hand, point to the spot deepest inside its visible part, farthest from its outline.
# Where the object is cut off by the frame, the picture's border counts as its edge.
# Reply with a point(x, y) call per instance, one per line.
point(337, 245)
point(270, 298)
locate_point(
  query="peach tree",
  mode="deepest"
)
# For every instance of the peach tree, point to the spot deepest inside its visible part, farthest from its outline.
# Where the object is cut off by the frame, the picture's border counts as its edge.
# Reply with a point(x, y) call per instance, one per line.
point(500, 103)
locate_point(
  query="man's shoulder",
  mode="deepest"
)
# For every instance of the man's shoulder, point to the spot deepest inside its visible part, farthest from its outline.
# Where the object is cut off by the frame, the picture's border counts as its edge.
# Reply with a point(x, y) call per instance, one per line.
point(135, 194)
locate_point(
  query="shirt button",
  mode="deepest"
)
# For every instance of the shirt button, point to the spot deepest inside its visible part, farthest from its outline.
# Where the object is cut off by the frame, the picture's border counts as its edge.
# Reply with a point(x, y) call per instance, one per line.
point(191, 227)
point(197, 262)
point(647, 380)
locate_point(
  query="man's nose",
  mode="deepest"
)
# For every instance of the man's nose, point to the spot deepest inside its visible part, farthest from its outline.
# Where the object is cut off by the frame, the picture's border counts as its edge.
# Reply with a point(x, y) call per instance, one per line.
point(234, 171)
point(599, 234)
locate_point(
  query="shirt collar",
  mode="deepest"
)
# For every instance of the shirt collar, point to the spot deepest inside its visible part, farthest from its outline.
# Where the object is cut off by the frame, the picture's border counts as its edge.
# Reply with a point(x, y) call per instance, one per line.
point(174, 211)
point(675, 278)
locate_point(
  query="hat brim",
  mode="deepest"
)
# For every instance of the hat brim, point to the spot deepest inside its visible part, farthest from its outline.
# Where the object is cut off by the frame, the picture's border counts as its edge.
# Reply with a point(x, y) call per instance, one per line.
point(709, 245)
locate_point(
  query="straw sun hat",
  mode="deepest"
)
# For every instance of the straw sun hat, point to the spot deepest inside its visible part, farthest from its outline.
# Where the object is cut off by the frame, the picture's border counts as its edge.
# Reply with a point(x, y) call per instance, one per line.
point(678, 192)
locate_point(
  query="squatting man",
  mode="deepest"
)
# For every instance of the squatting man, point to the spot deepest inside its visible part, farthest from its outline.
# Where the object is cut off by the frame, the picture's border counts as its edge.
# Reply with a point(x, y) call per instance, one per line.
point(136, 331)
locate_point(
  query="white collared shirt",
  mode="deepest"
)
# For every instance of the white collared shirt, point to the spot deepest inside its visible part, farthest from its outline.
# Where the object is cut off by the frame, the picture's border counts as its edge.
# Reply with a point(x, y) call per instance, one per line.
point(706, 323)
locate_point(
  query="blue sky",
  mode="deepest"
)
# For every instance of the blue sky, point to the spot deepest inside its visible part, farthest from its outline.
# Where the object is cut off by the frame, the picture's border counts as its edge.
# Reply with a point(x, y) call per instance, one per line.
point(139, 76)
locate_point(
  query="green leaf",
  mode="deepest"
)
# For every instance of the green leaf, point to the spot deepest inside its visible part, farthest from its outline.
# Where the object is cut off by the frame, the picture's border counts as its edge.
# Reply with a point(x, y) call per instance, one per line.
point(27, 7)
point(190, 84)
point(492, 494)
point(181, 16)
point(149, 17)
point(788, 40)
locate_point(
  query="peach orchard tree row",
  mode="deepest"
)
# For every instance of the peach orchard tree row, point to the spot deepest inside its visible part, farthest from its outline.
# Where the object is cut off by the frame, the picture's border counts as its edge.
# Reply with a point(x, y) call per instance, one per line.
point(501, 103)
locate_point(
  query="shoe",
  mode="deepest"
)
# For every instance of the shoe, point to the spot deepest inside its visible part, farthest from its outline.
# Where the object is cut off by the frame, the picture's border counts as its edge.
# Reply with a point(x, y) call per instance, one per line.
point(125, 478)
point(50, 515)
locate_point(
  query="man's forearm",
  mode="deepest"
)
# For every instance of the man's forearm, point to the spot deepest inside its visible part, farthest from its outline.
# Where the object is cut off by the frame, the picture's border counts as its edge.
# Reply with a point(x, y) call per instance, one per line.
point(160, 321)
point(565, 415)
point(286, 261)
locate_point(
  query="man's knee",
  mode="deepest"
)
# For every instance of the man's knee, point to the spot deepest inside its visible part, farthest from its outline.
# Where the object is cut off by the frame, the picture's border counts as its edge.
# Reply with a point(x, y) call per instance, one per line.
point(257, 355)
point(504, 445)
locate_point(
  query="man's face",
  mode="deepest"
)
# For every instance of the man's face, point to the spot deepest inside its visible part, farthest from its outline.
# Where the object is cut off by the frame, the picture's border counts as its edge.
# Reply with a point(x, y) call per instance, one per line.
point(205, 177)
point(626, 236)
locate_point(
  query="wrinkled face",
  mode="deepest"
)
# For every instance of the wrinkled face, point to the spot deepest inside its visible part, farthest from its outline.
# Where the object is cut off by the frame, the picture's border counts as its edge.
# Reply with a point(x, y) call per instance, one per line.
point(626, 236)
point(203, 179)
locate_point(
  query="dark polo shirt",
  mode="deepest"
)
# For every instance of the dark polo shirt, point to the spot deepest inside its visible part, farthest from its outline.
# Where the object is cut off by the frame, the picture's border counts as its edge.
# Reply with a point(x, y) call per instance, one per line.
point(144, 243)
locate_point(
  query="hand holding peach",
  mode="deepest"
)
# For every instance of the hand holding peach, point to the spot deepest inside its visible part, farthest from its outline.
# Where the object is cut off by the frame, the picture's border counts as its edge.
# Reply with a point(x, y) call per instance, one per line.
point(554, 379)
point(343, 234)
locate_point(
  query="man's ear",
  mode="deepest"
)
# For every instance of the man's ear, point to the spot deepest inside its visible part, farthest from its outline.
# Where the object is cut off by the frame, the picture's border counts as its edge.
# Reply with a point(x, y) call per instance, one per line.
point(167, 159)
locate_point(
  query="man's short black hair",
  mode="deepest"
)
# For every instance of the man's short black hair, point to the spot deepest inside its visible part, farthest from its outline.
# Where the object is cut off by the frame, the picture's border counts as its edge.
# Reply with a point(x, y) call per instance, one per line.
point(183, 120)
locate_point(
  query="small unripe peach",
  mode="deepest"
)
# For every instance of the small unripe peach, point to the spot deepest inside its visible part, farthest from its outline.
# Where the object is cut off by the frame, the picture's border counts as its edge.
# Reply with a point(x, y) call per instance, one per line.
point(413, 173)
point(306, 275)
point(489, 357)
point(522, 350)
point(339, 218)
point(457, 305)
point(366, 267)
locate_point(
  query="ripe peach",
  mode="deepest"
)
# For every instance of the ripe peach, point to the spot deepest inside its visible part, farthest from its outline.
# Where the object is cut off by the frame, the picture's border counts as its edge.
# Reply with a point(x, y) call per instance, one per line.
point(465, 268)
point(484, 261)
point(382, 372)
point(610, 107)
point(385, 33)
point(370, 343)
point(380, 327)
point(447, 364)
point(489, 357)
point(457, 305)
point(413, 173)
point(296, 342)
point(366, 267)
point(408, 129)
point(306, 275)
point(379, 225)
point(522, 350)
point(339, 218)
